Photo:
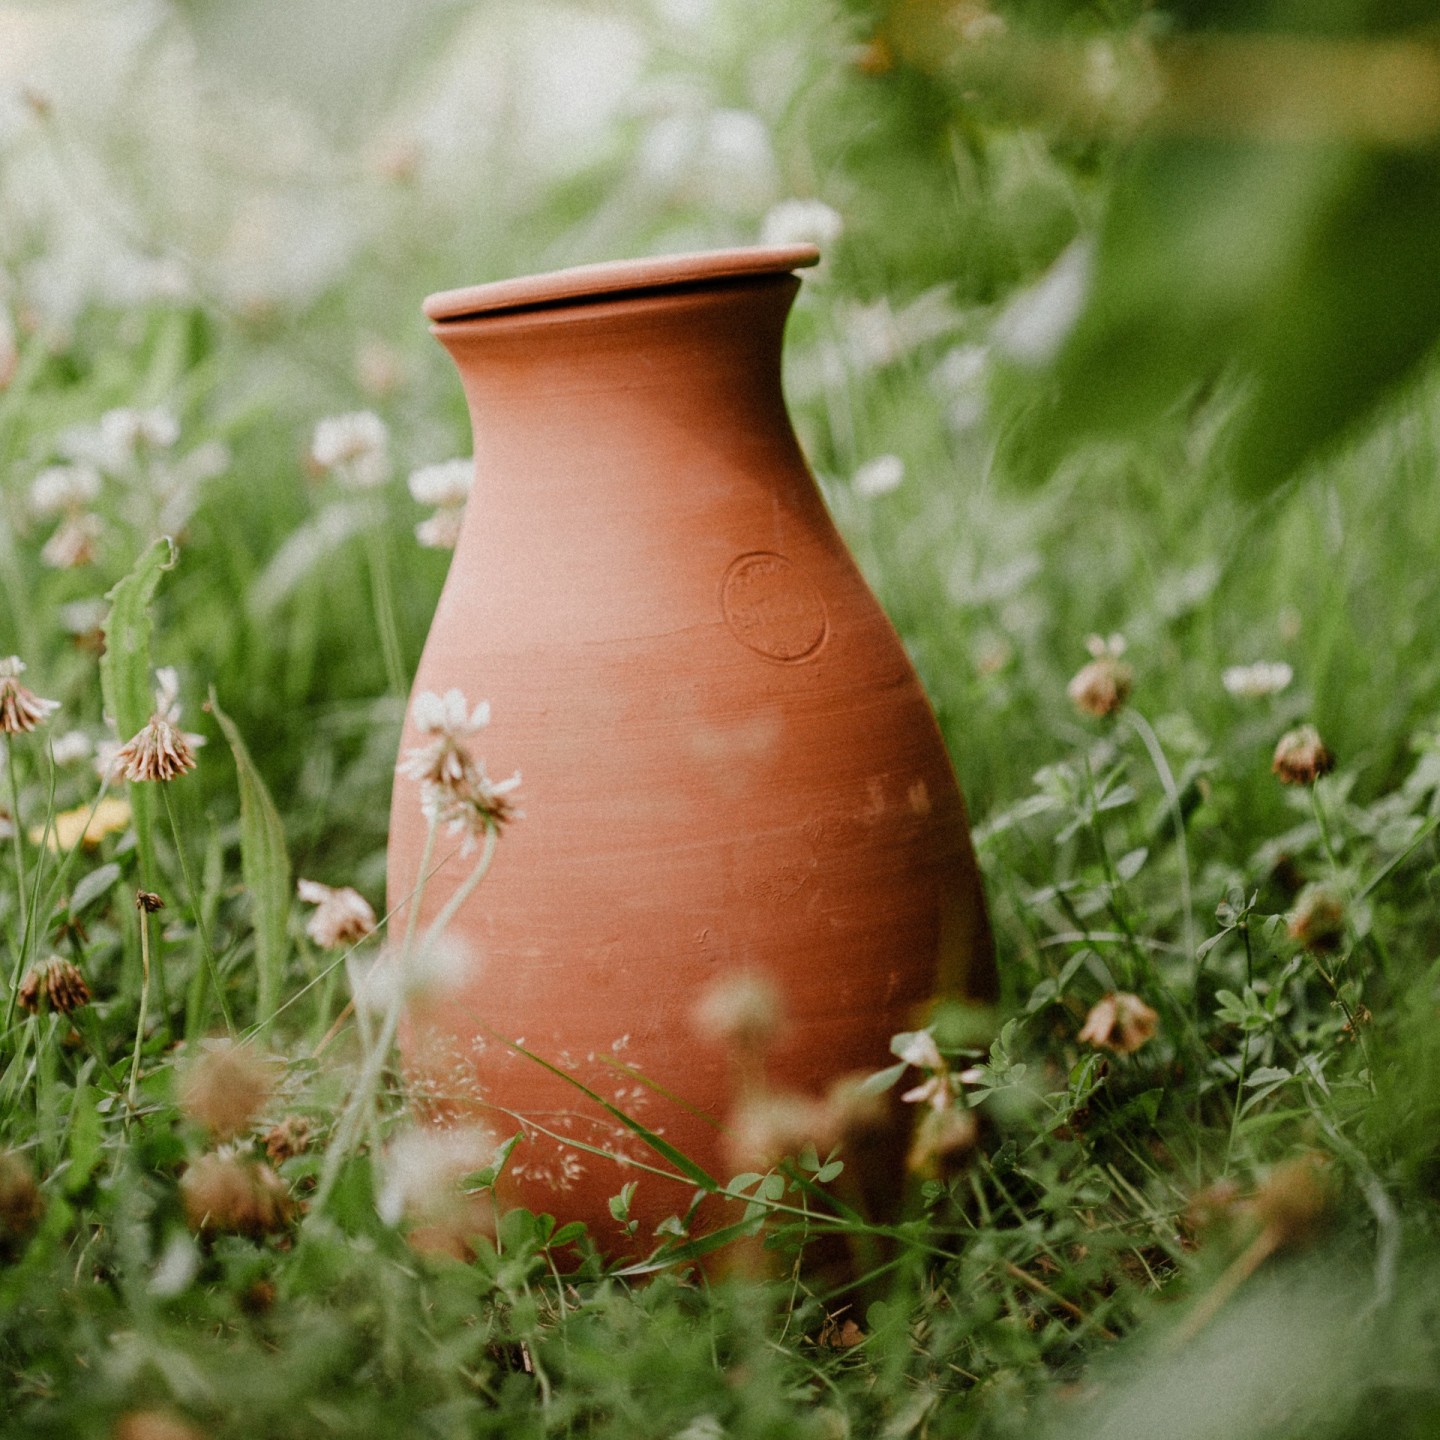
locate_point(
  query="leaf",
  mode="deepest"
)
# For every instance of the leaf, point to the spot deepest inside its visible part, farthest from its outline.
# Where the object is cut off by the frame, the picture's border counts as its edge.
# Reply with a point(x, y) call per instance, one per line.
point(485, 1178)
point(881, 1080)
point(93, 886)
point(1301, 272)
point(265, 864)
point(85, 1147)
point(658, 1144)
point(1128, 866)
point(620, 1204)
point(125, 680)
point(668, 1256)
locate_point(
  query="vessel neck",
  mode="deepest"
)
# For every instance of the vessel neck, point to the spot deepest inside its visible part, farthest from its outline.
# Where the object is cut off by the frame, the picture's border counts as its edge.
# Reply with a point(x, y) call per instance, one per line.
point(614, 371)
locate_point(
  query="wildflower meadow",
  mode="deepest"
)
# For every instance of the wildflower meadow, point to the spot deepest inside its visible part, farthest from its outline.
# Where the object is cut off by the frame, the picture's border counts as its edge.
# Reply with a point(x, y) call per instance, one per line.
point(1117, 378)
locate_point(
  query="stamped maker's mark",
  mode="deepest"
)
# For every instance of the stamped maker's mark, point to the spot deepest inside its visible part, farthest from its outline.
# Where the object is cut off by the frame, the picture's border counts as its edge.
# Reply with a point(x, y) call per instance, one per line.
point(773, 608)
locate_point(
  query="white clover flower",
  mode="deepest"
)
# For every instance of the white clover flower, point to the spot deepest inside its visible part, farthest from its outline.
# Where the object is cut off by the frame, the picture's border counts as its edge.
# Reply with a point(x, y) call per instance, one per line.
point(60, 489)
point(71, 747)
point(445, 483)
point(449, 714)
point(441, 531)
point(82, 617)
point(125, 433)
point(920, 1050)
point(801, 222)
point(343, 917)
point(355, 448)
point(73, 543)
point(1251, 682)
point(434, 970)
point(106, 750)
point(960, 378)
point(423, 1169)
point(1106, 647)
point(879, 476)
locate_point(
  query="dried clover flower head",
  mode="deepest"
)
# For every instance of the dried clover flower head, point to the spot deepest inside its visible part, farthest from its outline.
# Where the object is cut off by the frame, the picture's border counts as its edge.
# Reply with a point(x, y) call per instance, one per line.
point(228, 1194)
point(1292, 1202)
point(226, 1087)
point(1103, 686)
point(472, 808)
point(161, 751)
point(73, 544)
point(289, 1138)
point(942, 1141)
point(1120, 1022)
point(424, 1167)
point(741, 1012)
point(21, 1204)
point(441, 531)
point(342, 917)
point(354, 448)
point(21, 709)
point(1318, 920)
point(1302, 757)
point(765, 1128)
point(55, 984)
point(153, 1425)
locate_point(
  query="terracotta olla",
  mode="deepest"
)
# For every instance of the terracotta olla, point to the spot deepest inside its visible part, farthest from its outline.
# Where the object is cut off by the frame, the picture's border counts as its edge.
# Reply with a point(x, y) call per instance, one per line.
point(728, 765)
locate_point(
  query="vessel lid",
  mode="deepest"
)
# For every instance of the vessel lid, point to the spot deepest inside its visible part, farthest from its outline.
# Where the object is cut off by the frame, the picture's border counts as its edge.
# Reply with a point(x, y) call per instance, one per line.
point(613, 277)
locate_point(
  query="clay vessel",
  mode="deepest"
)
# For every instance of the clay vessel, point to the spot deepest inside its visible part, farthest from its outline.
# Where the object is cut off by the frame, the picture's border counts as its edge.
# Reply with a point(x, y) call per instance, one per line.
point(728, 764)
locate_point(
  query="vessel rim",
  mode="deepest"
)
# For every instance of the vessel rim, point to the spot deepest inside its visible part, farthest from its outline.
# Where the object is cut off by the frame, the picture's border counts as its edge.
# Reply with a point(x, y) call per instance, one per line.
point(584, 283)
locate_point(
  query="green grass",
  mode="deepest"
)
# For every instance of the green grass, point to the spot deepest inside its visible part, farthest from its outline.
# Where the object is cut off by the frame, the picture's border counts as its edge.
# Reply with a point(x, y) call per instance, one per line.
point(1231, 1231)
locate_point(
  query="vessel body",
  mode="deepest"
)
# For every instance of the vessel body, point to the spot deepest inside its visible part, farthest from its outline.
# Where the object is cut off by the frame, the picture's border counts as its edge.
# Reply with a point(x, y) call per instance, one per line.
point(727, 762)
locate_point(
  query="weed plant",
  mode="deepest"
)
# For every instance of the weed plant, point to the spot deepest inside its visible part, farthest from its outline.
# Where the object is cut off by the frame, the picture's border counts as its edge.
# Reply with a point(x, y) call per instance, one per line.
point(1182, 1182)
